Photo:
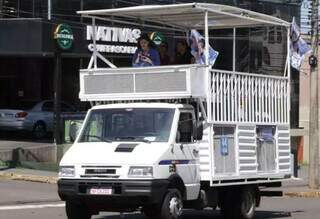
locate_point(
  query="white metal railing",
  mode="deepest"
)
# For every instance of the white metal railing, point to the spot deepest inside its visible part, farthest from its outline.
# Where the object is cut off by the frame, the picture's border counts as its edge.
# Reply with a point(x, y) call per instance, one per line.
point(249, 98)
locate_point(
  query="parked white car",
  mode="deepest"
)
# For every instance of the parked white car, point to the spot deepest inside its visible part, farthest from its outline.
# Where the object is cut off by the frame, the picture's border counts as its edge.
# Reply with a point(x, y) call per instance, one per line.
point(38, 120)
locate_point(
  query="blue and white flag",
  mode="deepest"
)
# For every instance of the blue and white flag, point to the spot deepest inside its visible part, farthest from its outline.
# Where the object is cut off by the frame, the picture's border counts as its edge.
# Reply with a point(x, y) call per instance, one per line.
point(198, 49)
point(298, 47)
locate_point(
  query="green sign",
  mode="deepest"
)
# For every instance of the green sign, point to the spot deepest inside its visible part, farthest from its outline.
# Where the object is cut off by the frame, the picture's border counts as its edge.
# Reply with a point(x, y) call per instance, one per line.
point(63, 36)
point(157, 38)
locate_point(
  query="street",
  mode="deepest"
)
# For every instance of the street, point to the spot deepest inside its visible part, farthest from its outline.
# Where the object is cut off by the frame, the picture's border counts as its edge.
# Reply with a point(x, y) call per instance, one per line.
point(29, 200)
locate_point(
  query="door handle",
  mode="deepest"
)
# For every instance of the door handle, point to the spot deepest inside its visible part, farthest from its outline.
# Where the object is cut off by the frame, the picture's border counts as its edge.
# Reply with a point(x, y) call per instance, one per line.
point(195, 152)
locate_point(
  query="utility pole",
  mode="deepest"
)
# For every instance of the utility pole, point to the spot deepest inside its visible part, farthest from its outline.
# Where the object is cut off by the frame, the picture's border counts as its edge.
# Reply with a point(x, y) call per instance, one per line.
point(49, 9)
point(314, 105)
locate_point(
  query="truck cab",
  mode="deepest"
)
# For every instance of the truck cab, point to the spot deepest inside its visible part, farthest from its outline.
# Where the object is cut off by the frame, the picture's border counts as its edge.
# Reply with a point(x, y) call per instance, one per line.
point(131, 155)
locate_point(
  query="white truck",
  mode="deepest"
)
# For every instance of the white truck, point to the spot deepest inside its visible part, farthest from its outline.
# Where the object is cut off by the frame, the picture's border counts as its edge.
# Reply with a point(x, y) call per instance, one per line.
point(164, 138)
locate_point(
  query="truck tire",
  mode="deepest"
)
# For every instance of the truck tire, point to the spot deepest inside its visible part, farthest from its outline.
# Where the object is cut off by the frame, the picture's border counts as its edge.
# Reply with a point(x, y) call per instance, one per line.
point(247, 207)
point(238, 203)
point(172, 205)
point(77, 211)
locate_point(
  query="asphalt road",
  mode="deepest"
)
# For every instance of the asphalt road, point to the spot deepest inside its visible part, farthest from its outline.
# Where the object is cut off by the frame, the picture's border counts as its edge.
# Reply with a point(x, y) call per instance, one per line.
point(28, 200)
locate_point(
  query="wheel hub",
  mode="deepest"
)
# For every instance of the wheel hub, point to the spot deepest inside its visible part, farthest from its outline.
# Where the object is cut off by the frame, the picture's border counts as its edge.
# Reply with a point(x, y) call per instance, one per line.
point(175, 207)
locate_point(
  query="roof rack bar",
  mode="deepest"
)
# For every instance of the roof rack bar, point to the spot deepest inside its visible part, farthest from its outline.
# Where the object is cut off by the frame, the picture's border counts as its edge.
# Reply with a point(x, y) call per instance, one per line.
point(182, 29)
point(243, 17)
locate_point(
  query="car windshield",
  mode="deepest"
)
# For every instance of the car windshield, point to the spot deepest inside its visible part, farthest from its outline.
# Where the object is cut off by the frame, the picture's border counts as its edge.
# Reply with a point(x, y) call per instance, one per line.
point(128, 124)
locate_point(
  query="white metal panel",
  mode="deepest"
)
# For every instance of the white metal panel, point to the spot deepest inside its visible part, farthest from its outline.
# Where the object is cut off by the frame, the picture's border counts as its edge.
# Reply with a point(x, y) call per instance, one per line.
point(247, 149)
point(284, 150)
point(161, 82)
point(205, 156)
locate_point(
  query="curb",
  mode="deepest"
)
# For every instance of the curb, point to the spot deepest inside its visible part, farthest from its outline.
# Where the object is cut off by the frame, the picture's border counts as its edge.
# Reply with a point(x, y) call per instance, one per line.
point(30, 178)
point(307, 194)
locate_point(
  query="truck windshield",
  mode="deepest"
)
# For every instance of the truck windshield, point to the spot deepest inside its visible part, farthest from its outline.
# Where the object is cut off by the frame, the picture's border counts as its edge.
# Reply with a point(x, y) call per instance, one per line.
point(128, 124)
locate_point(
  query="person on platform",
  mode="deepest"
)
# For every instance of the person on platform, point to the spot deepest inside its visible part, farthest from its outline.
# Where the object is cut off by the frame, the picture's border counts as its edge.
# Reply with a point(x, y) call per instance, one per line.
point(163, 52)
point(146, 54)
point(183, 54)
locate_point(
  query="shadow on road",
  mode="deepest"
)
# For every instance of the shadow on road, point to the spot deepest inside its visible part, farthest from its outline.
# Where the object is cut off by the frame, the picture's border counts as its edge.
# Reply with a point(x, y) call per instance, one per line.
point(205, 214)
point(272, 214)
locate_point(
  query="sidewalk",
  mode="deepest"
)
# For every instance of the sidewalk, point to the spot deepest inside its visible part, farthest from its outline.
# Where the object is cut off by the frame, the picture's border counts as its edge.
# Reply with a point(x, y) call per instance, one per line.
point(29, 175)
point(293, 188)
point(299, 187)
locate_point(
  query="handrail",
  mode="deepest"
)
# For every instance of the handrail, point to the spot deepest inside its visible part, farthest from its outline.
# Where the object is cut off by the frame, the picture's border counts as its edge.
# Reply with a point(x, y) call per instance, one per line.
point(249, 74)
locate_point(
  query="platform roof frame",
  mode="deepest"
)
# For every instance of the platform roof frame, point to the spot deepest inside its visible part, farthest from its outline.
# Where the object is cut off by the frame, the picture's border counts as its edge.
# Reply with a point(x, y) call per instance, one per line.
point(186, 16)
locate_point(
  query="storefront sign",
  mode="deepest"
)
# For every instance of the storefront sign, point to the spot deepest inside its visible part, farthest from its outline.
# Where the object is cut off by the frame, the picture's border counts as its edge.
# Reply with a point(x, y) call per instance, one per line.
point(157, 38)
point(63, 36)
point(118, 39)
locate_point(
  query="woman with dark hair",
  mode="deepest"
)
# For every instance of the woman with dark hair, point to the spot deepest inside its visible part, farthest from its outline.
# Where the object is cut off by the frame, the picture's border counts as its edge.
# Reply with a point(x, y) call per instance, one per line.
point(183, 54)
point(146, 54)
point(163, 52)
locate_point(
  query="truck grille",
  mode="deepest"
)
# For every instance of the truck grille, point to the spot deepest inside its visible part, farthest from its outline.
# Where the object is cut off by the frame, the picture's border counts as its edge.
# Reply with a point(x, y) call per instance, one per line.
point(100, 171)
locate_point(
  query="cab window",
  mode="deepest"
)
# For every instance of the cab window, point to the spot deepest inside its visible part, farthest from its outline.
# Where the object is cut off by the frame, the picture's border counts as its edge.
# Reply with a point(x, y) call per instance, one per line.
point(185, 128)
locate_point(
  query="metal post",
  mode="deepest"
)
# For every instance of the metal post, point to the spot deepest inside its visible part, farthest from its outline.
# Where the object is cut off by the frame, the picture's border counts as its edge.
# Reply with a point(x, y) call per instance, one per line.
point(57, 98)
point(209, 93)
point(49, 9)
point(206, 30)
point(234, 50)
point(94, 43)
point(33, 9)
point(18, 9)
point(314, 106)
point(1, 8)
point(288, 66)
point(81, 21)
point(209, 96)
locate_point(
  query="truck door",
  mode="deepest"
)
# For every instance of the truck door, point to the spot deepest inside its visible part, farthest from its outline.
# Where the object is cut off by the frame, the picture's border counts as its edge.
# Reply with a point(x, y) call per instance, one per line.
point(186, 154)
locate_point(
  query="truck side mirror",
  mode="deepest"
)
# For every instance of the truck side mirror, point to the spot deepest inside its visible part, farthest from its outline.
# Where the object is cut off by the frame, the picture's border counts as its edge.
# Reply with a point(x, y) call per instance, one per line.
point(198, 131)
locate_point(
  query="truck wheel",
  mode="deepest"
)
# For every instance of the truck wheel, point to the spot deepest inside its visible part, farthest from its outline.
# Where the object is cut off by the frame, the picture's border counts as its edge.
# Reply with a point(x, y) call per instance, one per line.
point(248, 203)
point(77, 211)
point(172, 205)
point(238, 203)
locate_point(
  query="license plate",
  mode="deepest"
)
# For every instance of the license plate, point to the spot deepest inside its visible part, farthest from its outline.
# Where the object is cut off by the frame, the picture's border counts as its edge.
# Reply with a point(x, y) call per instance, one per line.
point(100, 191)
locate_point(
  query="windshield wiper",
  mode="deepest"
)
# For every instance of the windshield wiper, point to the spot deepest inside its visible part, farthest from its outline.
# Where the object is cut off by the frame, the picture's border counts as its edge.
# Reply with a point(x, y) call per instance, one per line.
point(132, 138)
point(99, 138)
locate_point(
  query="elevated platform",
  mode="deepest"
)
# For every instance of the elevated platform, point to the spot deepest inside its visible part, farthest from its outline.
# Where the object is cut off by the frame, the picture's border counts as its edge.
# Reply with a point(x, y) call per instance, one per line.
point(159, 82)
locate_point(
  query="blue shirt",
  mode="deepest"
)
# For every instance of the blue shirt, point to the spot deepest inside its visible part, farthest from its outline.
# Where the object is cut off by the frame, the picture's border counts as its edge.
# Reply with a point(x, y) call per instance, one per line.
point(142, 59)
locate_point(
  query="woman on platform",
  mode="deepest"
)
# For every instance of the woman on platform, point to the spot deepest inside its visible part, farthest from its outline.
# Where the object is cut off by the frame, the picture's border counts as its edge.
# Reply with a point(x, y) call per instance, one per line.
point(146, 54)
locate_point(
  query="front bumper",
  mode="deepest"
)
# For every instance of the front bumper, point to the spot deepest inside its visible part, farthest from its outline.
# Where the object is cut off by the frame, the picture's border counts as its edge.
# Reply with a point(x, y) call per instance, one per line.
point(129, 193)
point(15, 125)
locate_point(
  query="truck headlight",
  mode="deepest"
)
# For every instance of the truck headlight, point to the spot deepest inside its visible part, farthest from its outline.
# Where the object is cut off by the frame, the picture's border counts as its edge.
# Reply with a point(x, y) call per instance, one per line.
point(66, 171)
point(140, 172)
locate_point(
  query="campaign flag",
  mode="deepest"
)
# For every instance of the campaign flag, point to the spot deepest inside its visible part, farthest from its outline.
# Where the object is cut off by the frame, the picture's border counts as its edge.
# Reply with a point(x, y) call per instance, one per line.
point(198, 49)
point(298, 46)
